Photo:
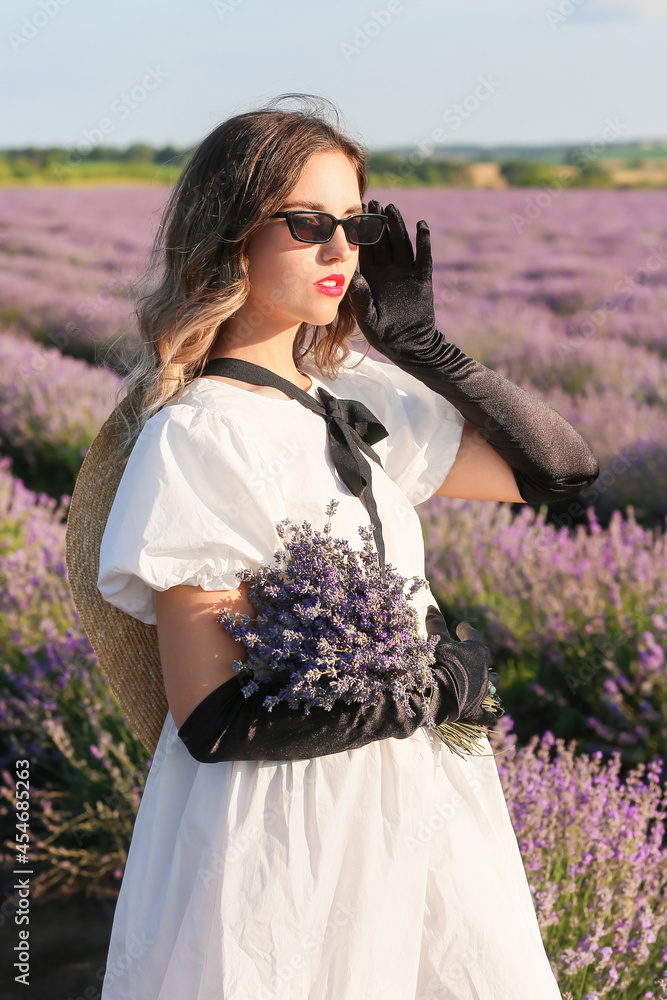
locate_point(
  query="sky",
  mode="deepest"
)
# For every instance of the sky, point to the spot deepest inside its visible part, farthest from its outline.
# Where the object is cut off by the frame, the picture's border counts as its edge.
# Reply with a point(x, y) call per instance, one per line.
point(403, 73)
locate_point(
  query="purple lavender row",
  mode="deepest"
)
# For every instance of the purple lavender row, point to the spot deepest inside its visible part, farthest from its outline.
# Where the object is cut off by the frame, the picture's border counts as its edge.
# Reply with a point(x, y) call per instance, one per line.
point(70, 255)
point(592, 843)
point(563, 294)
point(595, 854)
point(578, 619)
point(51, 408)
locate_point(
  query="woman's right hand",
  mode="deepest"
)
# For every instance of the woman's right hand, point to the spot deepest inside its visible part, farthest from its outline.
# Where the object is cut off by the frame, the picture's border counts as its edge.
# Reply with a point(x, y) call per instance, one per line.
point(463, 666)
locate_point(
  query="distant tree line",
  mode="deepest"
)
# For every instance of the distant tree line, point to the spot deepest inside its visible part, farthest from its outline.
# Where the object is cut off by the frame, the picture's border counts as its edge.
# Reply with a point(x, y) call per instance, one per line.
point(141, 161)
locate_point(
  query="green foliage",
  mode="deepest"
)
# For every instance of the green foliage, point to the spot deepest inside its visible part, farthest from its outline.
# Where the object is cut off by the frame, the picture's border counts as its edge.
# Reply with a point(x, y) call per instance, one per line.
point(414, 170)
point(60, 165)
point(142, 162)
point(88, 771)
point(595, 174)
point(526, 173)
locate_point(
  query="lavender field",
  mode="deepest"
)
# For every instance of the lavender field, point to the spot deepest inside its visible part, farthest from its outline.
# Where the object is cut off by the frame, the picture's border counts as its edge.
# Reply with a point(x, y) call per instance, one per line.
point(565, 296)
point(568, 303)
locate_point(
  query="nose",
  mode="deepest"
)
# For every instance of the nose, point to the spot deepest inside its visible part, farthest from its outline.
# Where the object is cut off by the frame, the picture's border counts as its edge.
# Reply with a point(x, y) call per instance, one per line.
point(338, 247)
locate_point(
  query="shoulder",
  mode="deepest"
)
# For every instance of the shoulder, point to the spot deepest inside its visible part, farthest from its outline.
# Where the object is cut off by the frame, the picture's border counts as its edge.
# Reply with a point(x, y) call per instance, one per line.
point(361, 375)
point(360, 366)
point(372, 374)
point(397, 395)
point(180, 444)
point(197, 409)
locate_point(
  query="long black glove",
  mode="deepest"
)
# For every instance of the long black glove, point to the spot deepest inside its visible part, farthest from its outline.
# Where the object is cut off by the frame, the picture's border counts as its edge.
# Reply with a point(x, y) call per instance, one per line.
point(228, 726)
point(468, 675)
point(393, 302)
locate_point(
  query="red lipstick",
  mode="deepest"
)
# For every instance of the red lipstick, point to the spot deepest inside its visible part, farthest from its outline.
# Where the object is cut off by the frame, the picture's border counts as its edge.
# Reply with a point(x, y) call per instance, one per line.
point(331, 288)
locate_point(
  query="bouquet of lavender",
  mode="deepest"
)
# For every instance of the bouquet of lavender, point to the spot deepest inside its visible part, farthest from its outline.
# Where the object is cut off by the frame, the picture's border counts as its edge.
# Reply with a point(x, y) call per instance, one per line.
point(328, 623)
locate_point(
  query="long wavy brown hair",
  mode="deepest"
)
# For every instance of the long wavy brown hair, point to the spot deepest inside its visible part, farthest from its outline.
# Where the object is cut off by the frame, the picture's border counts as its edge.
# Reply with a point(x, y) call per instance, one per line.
point(197, 274)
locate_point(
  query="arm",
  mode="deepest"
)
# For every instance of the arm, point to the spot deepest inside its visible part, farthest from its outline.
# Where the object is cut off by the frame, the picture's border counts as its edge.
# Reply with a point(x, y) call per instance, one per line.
point(224, 725)
point(195, 651)
point(548, 458)
point(478, 472)
point(392, 297)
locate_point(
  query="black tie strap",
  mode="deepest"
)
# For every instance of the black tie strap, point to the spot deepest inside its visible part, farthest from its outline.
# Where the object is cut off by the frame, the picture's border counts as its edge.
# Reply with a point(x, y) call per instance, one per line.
point(351, 426)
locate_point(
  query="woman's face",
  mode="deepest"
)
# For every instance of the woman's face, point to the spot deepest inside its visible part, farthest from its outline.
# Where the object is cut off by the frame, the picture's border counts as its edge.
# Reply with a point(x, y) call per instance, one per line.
point(283, 271)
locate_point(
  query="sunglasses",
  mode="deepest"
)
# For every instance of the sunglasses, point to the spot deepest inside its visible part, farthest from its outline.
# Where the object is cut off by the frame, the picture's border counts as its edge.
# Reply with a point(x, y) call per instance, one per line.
point(319, 227)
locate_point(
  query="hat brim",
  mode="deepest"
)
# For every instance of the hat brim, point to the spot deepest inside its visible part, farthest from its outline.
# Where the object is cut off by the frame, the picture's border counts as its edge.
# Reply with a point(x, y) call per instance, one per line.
point(126, 648)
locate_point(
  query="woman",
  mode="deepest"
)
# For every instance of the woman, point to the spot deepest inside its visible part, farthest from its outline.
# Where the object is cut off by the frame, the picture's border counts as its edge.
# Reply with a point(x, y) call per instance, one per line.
point(390, 869)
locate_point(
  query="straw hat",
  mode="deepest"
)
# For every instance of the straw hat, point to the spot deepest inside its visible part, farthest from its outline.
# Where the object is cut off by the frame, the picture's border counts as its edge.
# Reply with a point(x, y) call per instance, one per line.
point(126, 648)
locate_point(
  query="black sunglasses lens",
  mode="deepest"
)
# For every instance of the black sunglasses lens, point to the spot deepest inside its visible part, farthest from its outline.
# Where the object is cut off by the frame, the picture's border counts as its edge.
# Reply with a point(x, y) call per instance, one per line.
point(313, 228)
point(365, 229)
point(319, 228)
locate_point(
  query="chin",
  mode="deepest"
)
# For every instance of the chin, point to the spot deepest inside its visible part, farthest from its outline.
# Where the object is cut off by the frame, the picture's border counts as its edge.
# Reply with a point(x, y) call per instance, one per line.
point(321, 318)
point(319, 314)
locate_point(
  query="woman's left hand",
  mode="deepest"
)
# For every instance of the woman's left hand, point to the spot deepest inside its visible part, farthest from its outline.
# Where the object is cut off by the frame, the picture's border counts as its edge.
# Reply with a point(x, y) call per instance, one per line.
point(392, 294)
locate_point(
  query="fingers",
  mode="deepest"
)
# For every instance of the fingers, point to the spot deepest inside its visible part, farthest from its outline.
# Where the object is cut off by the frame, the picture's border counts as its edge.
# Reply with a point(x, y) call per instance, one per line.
point(435, 623)
point(424, 259)
point(403, 253)
point(395, 245)
point(465, 630)
point(383, 251)
point(368, 254)
point(362, 300)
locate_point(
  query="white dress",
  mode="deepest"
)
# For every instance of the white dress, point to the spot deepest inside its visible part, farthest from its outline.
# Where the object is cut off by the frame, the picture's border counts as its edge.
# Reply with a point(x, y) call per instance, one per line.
point(389, 872)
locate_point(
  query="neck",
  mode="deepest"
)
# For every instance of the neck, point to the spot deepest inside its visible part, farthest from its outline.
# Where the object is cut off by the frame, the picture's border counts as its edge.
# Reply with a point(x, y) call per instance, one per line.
point(274, 355)
point(258, 358)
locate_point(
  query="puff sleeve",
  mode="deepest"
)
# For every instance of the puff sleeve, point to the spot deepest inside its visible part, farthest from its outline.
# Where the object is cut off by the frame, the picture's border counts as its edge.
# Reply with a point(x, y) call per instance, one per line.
point(192, 507)
point(424, 428)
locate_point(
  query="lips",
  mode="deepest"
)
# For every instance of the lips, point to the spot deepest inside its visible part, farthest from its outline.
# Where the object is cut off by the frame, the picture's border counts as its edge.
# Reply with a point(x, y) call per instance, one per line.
point(338, 278)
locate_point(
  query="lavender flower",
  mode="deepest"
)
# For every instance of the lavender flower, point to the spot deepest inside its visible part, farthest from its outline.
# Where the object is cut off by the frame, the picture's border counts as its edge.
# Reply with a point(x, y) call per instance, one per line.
point(51, 408)
point(594, 849)
point(328, 624)
point(566, 306)
point(577, 621)
point(325, 612)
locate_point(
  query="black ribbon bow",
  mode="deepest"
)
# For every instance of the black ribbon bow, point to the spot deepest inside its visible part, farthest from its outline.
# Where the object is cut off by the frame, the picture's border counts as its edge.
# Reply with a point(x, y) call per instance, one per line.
point(352, 429)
